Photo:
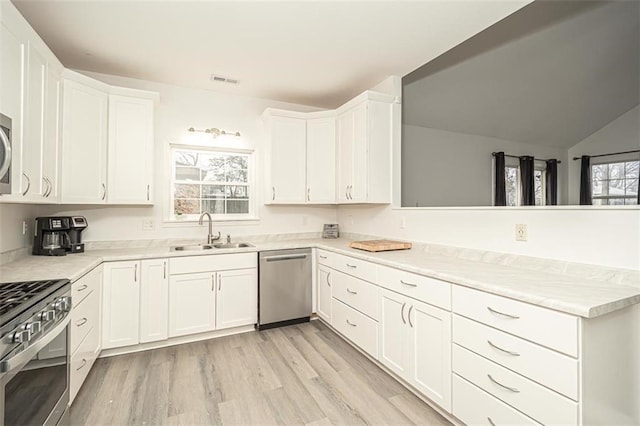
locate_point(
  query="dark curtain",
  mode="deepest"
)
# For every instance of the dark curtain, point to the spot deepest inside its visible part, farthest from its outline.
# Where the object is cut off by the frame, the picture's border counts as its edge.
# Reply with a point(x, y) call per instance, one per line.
point(527, 181)
point(585, 181)
point(500, 185)
point(551, 186)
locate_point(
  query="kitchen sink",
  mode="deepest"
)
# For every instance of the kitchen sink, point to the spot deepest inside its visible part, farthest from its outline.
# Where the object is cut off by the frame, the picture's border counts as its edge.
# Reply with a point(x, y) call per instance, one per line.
point(232, 245)
point(192, 247)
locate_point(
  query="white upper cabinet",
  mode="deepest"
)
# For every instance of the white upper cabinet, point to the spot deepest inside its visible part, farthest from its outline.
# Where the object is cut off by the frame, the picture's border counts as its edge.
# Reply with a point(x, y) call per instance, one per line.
point(301, 152)
point(364, 129)
point(321, 160)
point(52, 128)
point(287, 159)
point(84, 141)
point(130, 171)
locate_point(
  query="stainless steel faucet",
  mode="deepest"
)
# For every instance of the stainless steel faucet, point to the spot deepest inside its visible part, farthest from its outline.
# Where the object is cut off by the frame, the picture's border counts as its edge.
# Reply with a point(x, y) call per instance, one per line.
point(210, 237)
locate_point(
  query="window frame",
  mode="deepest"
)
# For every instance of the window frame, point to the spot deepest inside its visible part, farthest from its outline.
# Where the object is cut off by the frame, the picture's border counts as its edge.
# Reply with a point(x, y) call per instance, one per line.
point(513, 164)
point(611, 197)
point(224, 217)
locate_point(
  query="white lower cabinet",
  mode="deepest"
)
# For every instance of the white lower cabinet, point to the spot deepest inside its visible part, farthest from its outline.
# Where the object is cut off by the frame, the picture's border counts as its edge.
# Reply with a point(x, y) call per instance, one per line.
point(192, 303)
point(85, 328)
point(415, 343)
point(135, 302)
point(324, 293)
point(204, 295)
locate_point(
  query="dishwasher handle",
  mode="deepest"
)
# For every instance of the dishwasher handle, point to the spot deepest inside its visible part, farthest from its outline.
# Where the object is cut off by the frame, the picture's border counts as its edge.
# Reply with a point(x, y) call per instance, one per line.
point(285, 257)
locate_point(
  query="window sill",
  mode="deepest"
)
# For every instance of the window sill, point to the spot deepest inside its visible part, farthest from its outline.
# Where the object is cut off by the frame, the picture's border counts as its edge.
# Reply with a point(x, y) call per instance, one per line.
point(178, 223)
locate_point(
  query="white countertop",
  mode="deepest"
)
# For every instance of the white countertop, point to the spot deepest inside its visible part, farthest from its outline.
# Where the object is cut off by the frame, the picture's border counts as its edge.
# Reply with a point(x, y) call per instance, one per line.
point(577, 296)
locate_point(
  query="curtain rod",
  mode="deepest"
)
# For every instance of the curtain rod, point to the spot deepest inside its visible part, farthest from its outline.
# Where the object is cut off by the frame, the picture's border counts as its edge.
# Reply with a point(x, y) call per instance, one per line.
point(493, 154)
point(606, 155)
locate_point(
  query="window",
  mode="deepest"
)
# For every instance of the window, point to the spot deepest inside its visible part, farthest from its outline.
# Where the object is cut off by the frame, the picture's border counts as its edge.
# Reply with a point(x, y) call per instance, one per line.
point(512, 181)
point(615, 183)
point(211, 180)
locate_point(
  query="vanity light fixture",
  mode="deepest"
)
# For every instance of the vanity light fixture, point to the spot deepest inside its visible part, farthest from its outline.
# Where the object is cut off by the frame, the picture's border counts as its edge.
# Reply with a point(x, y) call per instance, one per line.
point(214, 131)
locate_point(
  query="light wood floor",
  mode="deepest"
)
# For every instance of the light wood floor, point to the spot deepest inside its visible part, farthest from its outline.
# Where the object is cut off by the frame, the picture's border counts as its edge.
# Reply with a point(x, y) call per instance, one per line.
point(303, 374)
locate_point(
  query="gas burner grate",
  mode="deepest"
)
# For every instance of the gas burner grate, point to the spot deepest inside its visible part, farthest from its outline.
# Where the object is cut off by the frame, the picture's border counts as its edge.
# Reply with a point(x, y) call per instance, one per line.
point(16, 295)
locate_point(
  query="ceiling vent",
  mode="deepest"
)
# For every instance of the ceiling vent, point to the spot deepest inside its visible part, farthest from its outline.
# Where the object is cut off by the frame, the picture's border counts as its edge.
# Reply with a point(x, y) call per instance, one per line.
point(222, 79)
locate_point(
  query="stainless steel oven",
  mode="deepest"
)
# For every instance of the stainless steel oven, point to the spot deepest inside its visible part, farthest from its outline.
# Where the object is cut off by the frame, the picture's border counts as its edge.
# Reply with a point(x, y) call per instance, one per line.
point(5, 154)
point(34, 370)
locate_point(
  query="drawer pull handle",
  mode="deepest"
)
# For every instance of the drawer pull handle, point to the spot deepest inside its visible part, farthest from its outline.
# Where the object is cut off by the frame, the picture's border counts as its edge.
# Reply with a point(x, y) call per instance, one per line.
point(491, 421)
point(502, 350)
point(501, 385)
point(409, 316)
point(83, 287)
point(322, 257)
point(351, 266)
point(409, 284)
point(351, 292)
point(84, 362)
point(351, 324)
point(493, 311)
point(82, 321)
point(402, 312)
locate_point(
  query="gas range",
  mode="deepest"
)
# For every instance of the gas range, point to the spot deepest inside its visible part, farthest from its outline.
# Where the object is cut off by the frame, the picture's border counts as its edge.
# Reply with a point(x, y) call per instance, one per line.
point(34, 328)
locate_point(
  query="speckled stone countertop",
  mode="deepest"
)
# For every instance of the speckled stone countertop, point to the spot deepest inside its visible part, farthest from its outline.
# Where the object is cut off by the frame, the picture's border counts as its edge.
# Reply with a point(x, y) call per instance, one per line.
point(573, 295)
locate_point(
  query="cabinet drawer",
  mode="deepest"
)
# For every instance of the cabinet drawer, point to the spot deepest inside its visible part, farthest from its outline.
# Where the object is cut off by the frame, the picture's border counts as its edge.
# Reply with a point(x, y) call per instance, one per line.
point(532, 399)
point(216, 262)
point(85, 285)
point(360, 329)
point(549, 368)
point(424, 289)
point(549, 328)
point(474, 406)
point(358, 294)
point(84, 317)
point(82, 361)
point(324, 257)
point(358, 268)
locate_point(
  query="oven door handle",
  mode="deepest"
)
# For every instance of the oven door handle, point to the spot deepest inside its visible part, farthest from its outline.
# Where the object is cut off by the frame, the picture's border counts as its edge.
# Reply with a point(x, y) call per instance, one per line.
point(6, 162)
point(20, 359)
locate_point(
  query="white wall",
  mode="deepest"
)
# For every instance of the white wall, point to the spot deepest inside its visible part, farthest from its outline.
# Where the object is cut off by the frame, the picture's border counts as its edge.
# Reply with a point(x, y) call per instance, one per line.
point(603, 237)
point(179, 109)
point(449, 169)
point(622, 134)
point(11, 217)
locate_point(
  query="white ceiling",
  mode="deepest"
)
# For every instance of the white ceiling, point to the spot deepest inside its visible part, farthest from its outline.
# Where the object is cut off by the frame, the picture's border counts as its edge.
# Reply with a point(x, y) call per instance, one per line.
point(552, 74)
point(318, 53)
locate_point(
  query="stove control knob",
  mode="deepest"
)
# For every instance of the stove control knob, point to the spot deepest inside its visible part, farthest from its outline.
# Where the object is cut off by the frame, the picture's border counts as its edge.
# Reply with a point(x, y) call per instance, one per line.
point(48, 315)
point(33, 327)
point(63, 304)
point(21, 336)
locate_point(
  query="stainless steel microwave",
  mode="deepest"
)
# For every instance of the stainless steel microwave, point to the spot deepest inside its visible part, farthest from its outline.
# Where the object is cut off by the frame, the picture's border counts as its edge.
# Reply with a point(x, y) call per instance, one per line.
point(5, 154)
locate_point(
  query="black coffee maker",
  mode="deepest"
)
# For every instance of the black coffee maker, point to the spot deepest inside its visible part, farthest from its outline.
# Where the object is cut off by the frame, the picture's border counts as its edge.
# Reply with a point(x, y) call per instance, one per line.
point(58, 235)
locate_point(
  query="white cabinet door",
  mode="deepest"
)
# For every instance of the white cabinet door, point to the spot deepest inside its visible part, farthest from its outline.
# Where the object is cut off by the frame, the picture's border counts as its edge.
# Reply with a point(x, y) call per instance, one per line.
point(154, 300)
point(121, 304)
point(345, 143)
point(395, 341)
point(36, 77)
point(431, 352)
point(11, 100)
point(321, 160)
point(192, 303)
point(237, 299)
point(84, 144)
point(130, 150)
point(51, 148)
point(360, 160)
point(324, 293)
point(287, 161)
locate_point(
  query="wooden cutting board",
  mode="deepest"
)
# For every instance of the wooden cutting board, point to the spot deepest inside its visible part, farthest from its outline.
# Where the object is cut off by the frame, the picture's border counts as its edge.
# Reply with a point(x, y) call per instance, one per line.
point(380, 245)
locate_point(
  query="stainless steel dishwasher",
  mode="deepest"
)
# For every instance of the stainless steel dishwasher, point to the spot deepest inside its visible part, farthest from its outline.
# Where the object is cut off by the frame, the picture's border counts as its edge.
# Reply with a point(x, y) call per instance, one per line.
point(284, 287)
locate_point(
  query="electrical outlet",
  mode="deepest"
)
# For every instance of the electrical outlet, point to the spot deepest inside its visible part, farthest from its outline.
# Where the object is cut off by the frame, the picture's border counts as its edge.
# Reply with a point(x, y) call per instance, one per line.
point(25, 227)
point(147, 225)
point(305, 220)
point(350, 219)
point(403, 222)
point(521, 232)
